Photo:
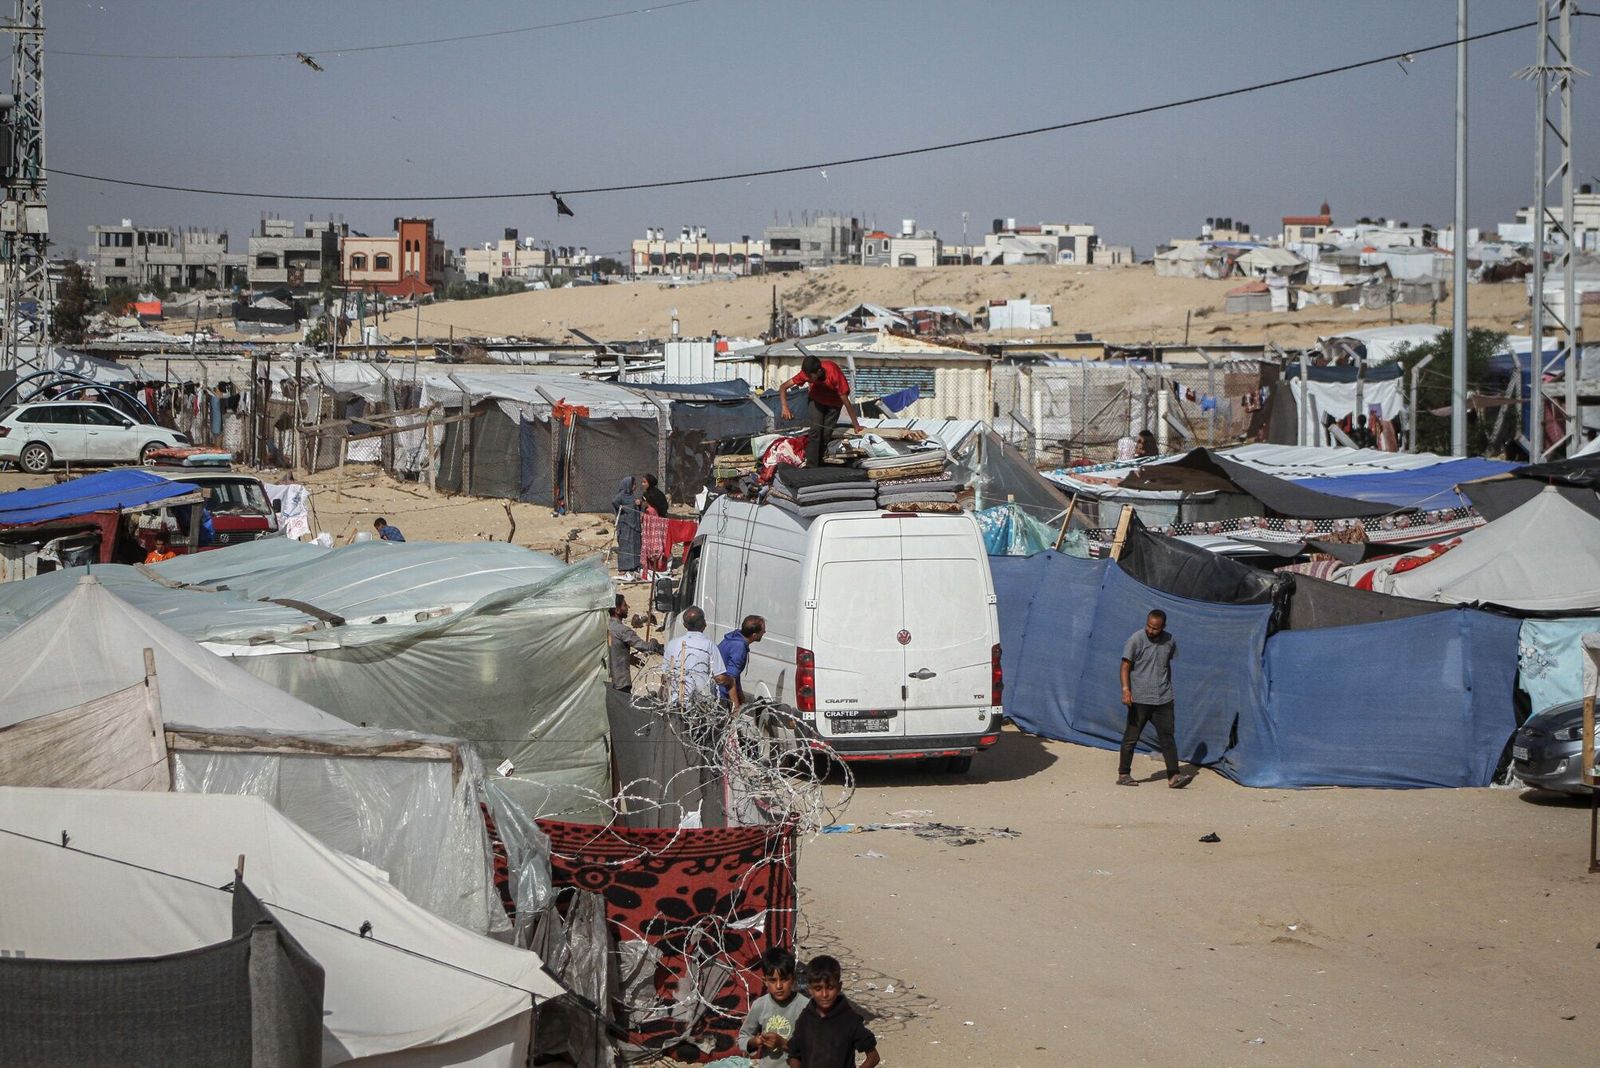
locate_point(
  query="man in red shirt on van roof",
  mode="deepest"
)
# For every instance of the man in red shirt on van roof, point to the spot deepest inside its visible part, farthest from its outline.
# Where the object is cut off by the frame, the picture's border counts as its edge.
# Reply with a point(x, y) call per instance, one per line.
point(830, 391)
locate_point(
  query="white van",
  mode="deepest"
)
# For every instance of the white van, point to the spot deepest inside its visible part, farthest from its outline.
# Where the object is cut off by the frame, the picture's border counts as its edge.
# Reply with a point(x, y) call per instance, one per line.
point(881, 634)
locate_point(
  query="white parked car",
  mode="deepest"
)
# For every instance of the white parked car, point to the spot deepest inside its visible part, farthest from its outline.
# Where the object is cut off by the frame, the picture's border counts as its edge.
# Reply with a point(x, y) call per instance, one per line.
point(34, 436)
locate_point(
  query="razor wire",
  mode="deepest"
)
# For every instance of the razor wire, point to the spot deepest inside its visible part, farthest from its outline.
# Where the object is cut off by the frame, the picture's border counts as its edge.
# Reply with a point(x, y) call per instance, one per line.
point(773, 772)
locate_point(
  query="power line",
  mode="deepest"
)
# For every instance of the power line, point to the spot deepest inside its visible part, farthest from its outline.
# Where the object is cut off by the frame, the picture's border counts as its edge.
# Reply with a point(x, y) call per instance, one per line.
point(296, 53)
point(1406, 54)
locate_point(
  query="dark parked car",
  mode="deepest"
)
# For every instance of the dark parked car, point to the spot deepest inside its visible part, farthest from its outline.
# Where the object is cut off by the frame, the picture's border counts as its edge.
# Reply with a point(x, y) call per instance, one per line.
point(1547, 751)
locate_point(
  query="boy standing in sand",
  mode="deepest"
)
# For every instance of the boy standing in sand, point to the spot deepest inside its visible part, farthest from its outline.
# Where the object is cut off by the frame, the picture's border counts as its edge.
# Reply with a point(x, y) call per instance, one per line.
point(830, 1032)
point(769, 1025)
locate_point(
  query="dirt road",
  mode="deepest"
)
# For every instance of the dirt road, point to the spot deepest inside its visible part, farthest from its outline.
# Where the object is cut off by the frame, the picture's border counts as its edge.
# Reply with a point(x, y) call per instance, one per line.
point(1368, 927)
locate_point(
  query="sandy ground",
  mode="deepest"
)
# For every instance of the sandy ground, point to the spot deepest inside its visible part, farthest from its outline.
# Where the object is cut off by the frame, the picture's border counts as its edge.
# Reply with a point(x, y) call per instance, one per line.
point(1368, 927)
point(1123, 305)
point(1371, 927)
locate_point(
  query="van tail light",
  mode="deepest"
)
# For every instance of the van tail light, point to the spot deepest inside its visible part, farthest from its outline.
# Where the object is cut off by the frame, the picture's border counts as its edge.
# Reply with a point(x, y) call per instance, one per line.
point(805, 680)
point(4, 430)
point(997, 682)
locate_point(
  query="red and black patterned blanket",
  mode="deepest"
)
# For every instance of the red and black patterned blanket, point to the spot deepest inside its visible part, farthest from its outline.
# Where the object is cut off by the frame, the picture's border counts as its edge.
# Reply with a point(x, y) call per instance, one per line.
point(690, 893)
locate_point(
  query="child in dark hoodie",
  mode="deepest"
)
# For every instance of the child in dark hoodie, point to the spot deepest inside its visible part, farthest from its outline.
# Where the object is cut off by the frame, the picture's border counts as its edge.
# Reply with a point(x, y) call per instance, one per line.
point(830, 1032)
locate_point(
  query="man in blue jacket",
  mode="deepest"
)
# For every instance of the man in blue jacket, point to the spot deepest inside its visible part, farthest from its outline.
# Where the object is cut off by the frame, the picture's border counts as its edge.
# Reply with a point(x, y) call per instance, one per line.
point(735, 650)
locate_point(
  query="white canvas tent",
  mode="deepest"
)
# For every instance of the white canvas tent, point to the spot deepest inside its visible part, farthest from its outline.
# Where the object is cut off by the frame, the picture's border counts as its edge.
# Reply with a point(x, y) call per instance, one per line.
point(75, 711)
point(1539, 557)
point(138, 877)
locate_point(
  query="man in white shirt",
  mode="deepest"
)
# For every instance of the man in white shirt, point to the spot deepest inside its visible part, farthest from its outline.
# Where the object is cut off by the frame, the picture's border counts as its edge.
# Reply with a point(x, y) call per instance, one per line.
point(692, 668)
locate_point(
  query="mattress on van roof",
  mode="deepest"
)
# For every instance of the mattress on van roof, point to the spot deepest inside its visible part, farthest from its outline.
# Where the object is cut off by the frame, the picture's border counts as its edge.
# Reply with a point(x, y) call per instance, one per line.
point(797, 478)
point(849, 492)
point(936, 497)
point(912, 489)
point(811, 511)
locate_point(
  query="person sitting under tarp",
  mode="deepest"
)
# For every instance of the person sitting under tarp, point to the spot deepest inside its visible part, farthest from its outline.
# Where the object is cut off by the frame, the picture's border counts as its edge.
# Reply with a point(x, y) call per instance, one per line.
point(160, 550)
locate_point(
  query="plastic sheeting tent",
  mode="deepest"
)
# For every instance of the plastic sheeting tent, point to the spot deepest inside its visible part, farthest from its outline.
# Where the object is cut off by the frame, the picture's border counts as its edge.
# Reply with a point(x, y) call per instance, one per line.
point(1539, 558)
point(1425, 701)
point(138, 878)
point(408, 804)
point(1067, 619)
point(488, 642)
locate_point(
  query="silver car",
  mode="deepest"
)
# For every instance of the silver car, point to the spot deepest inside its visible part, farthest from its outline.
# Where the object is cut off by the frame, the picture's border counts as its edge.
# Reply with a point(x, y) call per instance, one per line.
point(1547, 751)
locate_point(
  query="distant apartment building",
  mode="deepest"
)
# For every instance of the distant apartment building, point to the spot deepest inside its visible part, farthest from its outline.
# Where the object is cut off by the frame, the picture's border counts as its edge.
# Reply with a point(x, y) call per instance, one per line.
point(693, 252)
point(302, 262)
point(1057, 243)
point(409, 264)
point(909, 248)
point(510, 257)
point(1306, 229)
point(818, 241)
point(1585, 221)
point(129, 255)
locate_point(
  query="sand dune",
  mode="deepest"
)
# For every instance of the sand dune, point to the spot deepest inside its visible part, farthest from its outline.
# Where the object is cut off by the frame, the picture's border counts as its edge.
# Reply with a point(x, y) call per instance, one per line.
point(1124, 305)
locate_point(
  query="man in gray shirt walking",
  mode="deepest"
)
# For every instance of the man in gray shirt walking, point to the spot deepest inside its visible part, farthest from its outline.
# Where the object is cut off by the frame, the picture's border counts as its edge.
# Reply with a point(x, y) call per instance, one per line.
point(1147, 691)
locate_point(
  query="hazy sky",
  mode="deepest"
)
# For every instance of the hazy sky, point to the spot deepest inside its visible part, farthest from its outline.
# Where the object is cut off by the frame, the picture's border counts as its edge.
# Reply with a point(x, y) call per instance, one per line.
point(734, 85)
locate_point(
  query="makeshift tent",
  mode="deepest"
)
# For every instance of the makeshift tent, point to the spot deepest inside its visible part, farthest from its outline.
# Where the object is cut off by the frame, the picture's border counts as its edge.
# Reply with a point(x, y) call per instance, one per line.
point(1253, 296)
point(408, 804)
point(1576, 478)
point(1333, 390)
point(118, 490)
point(254, 999)
point(1551, 659)
point(1540, 558)
point(488, 642)
point(107, 874)
point(1422, 487)
point(1068, 620)
point(1189, 571)
point(1204, 470)
point(1425, 701)
point(1317, 604)
point(1383, 344)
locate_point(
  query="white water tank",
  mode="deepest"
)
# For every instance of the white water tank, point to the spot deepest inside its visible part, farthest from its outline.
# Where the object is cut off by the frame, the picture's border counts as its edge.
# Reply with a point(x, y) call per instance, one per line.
point(908, 227)
point(1011, 224)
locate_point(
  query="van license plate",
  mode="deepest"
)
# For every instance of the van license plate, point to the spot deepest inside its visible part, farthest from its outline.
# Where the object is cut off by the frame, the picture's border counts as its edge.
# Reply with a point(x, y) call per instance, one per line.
point(1519, 752)
point(860, 726)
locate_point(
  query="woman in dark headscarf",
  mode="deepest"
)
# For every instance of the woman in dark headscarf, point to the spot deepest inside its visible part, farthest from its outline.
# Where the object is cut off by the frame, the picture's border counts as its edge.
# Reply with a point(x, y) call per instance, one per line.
point(625, 506)
point(654, 497)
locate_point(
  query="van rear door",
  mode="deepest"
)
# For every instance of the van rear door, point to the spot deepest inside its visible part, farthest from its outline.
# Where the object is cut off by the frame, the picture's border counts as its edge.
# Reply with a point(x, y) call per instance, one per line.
point(860, 663)
point(950, 618)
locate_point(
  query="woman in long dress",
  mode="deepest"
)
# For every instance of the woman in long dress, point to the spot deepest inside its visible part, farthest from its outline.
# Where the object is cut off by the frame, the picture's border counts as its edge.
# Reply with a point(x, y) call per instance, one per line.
point(625, 506)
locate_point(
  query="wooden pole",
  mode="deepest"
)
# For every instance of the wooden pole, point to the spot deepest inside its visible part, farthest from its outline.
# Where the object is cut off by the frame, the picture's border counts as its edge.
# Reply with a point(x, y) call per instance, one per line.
point(1124, 521)
point(1061, 535)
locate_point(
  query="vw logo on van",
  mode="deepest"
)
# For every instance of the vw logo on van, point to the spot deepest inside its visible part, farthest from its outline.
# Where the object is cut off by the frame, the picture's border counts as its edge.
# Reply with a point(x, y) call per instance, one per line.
point(904, 637)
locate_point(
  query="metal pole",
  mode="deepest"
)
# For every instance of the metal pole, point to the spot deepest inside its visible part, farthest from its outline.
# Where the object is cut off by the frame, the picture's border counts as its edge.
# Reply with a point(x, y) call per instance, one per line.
point(1458, 351)
point(1416, 373)
point(1541, 83)
point(1571, 314)
point(1303, 409)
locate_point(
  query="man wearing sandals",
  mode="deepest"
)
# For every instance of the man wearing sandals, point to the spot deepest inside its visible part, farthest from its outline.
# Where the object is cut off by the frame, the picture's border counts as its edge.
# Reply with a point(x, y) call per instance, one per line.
point(1147, 691)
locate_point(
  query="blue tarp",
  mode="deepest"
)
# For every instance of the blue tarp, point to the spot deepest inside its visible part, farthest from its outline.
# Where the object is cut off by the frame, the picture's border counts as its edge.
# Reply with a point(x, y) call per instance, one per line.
point(1067, 620)
point(1424, 487)
point(105, 491)
point(1425, 701)
point(1550, 659)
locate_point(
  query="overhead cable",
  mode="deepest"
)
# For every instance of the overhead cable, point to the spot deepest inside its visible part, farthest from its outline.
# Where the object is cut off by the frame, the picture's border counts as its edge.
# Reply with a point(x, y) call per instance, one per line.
point(768, 172)
point(297, 53)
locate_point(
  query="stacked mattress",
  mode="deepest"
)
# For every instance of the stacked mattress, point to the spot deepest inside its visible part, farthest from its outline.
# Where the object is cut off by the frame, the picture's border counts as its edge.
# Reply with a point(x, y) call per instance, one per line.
point(814, 491)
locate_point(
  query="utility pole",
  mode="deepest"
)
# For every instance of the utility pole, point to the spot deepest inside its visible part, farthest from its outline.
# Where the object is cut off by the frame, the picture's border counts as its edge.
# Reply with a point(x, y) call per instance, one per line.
point(1458, 321)
point(1552, 77)
point(24, 222)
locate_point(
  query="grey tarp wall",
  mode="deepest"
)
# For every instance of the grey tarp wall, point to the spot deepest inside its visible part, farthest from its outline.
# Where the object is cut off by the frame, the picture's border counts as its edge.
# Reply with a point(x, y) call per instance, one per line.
point(668, 778)
point(254, 1000)
point(604, 452)
point(494, 453)
point(1317, 603)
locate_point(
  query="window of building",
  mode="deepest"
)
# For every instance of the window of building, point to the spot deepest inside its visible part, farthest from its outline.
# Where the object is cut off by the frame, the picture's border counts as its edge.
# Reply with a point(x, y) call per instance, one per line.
point(266, 259)
point(1308, 232)
point(381, 262)
point(358, 262)
point(120, 261)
